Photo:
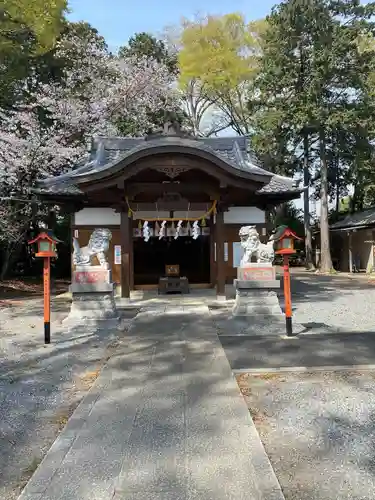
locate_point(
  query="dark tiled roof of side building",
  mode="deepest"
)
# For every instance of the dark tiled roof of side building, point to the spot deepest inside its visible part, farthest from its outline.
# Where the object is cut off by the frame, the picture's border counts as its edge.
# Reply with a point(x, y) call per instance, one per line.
point(359, 219)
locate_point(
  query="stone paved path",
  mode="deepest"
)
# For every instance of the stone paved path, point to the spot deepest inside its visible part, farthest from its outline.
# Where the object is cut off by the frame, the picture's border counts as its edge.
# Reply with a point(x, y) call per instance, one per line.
point(165, 420)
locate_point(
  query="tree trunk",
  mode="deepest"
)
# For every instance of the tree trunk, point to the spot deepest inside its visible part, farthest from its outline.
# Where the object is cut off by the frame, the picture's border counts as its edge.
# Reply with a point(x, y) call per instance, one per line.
point(337, 162)
point(9, 255)
point(5, 254)
point(325, 255)
point(306, 204)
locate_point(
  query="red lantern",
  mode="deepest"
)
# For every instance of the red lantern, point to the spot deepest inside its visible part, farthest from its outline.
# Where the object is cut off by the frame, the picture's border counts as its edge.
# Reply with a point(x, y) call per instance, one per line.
point(46, 245)
point(284, 239)
point(46, 242)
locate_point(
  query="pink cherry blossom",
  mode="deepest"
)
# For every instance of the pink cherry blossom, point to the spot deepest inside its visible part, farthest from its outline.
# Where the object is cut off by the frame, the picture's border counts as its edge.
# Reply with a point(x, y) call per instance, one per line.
point(98, 90)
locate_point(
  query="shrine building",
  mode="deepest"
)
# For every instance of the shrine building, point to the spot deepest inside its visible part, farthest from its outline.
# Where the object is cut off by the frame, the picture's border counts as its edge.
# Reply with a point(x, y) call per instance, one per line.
point(146, 189)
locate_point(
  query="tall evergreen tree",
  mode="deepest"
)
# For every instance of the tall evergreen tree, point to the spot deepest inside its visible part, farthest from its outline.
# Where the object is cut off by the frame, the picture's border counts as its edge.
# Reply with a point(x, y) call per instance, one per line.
point(314, 80)
point(145, 45)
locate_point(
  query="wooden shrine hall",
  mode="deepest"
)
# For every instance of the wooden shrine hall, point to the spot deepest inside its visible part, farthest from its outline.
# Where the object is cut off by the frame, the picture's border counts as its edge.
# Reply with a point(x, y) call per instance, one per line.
point(169, 199)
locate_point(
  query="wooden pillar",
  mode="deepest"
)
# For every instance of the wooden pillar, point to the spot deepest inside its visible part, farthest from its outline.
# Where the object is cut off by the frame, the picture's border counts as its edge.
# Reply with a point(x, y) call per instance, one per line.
point(125, 255)
point(350, 255)
point(51, 220)
point(131, 255)
point(212, 253)
point(220, 264)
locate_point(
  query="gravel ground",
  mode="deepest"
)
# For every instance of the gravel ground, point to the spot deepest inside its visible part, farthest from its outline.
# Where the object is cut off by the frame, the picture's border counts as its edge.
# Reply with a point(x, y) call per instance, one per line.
point(318, 431)
point(321, 304)
point(40, 386)
point(341, 304)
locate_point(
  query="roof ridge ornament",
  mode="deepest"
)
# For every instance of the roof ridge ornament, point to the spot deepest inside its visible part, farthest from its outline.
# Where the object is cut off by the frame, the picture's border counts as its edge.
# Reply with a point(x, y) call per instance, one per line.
point(170, 128)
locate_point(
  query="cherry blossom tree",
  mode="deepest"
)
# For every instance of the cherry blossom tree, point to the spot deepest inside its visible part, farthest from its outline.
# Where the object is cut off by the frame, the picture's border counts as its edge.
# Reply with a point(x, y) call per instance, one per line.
point(48, 131)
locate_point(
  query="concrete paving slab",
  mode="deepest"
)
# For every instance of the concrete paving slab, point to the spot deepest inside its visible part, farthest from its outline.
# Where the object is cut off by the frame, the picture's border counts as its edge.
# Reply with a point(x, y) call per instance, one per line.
point(168, 422)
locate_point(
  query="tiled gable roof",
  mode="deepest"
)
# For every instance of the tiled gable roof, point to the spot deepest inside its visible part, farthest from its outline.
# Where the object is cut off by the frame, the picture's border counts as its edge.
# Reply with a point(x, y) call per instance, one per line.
point(107, 152)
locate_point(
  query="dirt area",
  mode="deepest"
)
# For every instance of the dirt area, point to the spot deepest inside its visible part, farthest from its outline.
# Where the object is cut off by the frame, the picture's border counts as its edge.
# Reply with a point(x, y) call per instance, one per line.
point(14, 290)
point(318, 430)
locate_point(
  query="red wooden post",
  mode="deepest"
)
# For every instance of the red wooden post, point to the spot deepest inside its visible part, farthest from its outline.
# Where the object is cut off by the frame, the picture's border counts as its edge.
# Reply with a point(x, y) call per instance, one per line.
point(46, 249)
point(284, 241)
point(47, 299)
point(288, 297)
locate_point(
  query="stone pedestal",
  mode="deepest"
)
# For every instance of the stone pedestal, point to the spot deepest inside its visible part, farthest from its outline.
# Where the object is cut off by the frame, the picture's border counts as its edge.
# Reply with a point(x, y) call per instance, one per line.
point(256, 291)
point(93, 299)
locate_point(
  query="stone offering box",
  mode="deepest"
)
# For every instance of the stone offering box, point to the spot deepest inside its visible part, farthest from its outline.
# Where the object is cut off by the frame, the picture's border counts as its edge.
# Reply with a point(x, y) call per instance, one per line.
point(256, 290)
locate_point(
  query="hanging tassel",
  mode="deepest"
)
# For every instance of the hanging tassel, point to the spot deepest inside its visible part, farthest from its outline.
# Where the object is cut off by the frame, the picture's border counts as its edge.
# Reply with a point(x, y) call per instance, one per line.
point(203, 222)
point(140, 224)
point(130, 213)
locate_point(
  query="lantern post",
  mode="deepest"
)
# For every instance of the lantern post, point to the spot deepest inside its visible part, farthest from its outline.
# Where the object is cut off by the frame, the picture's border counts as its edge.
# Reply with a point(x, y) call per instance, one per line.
point(284, 245)
point(46, 244)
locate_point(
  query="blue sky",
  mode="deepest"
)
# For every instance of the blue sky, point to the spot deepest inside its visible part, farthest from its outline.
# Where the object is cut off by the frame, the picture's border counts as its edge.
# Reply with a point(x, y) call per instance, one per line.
point(117, 20)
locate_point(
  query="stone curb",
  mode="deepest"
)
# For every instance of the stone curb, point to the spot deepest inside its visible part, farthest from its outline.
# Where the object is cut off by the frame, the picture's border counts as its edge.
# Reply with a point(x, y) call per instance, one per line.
point(303, 369)
point(267, 481)
point(42, 477)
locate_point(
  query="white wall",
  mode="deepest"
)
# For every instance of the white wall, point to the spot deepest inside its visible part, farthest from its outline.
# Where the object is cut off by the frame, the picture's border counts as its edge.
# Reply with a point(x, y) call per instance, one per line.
point(107, 216)
point(244, 215)
point(96, 217)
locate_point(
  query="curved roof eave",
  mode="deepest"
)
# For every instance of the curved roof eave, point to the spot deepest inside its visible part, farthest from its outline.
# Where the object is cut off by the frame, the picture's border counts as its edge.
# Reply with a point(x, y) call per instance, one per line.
point(170, 146)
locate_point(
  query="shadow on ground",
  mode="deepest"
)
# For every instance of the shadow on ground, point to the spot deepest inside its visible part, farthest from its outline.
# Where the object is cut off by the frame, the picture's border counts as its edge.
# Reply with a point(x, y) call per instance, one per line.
point(339, 349)
point(320, 288)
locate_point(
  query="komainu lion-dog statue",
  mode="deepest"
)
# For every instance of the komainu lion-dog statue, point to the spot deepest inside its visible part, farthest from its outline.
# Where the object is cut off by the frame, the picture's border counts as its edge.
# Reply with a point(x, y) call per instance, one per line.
point(250, 242)
point(98, 246)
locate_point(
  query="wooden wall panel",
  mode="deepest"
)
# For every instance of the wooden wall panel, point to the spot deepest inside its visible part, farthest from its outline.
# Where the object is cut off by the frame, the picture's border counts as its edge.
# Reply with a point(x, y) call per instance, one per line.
point(83, 239)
